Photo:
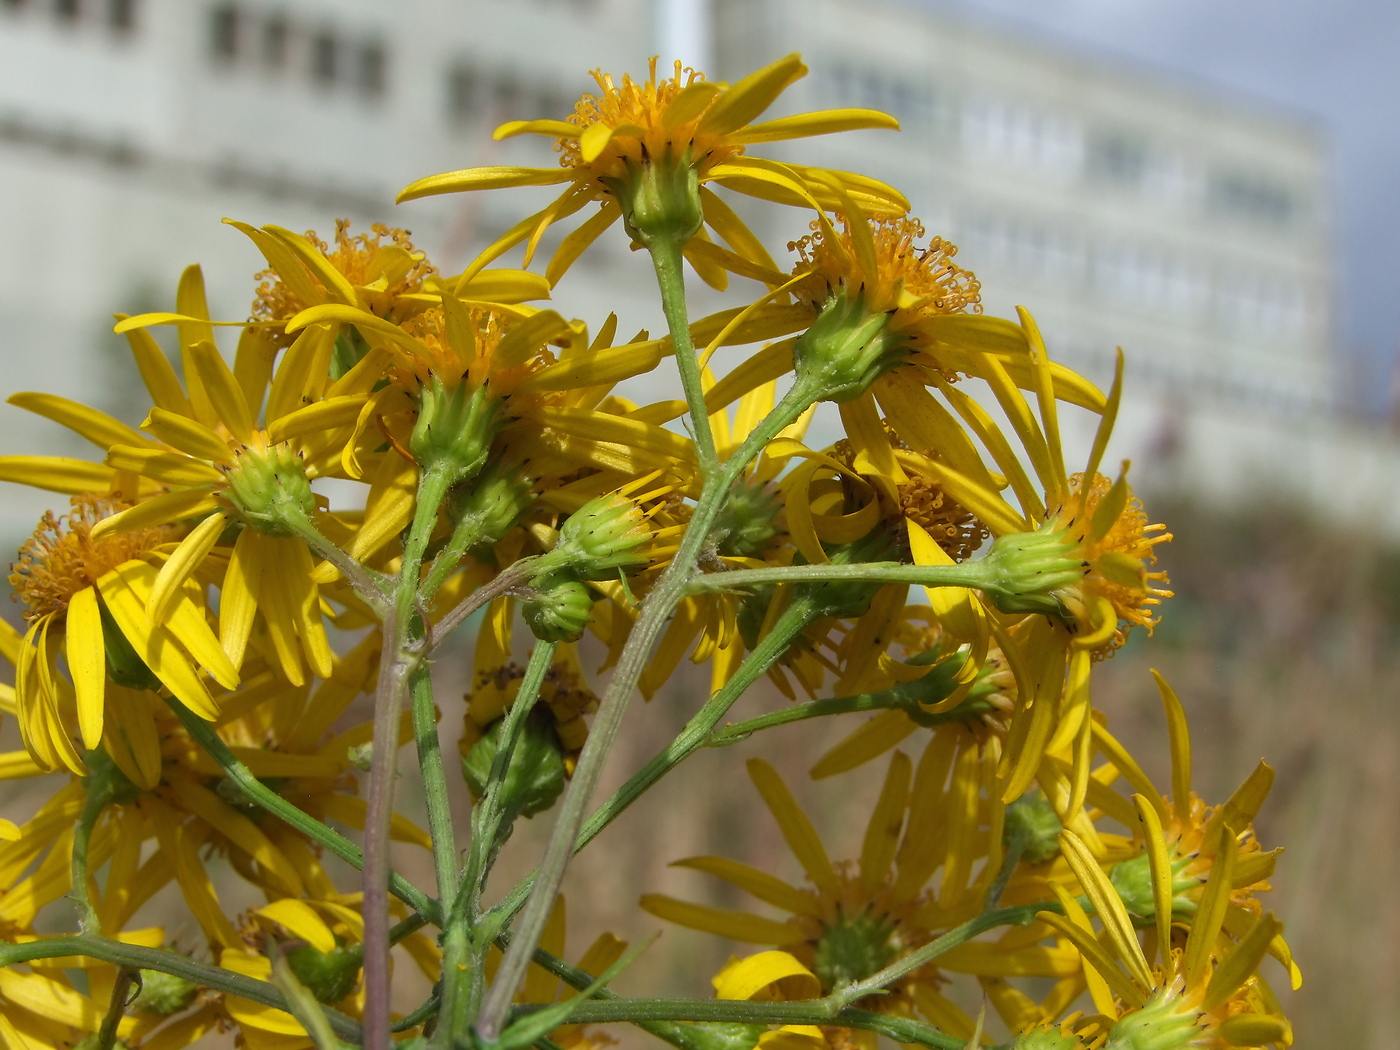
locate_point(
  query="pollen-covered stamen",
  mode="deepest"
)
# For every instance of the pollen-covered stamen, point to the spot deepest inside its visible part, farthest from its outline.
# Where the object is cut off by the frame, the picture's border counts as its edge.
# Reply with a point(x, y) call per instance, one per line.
point(952, 526)
point(641, 108)
point(383, 262)
point(62, 558)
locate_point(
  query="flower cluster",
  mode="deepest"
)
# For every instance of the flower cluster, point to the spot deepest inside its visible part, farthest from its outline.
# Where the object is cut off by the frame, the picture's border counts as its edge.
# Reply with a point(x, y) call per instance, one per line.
point(221, 630)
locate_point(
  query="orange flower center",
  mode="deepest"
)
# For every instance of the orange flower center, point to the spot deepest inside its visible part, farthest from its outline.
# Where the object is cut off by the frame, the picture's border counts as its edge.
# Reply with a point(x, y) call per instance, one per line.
point(62, 558)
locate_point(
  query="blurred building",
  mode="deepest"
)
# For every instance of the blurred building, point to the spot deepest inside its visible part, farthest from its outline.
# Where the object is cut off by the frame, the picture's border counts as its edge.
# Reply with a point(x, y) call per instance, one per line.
point(1190, 228)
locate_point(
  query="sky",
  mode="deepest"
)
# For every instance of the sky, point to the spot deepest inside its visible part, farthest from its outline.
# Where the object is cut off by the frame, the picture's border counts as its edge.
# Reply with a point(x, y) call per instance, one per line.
point(1336, 61)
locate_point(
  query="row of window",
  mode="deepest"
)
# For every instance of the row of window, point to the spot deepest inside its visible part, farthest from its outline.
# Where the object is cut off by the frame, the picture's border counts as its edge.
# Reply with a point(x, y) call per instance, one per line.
point(1027, 137)
point(118, 16)
point(1248, 303)
point(275, 44)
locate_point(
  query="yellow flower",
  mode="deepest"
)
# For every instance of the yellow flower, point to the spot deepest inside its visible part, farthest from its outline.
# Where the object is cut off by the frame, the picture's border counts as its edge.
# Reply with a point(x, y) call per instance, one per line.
point(677, 133)
point(1205, 993)
point(851, 924)
point(1191, 838)
point(86, 600)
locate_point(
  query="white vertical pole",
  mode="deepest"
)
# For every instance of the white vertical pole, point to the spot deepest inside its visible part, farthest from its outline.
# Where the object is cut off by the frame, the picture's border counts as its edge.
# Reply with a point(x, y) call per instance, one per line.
point(683, 31)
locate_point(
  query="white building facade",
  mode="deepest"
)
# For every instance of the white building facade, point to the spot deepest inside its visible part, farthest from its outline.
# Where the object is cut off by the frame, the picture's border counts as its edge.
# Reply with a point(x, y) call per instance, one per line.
point(1191, 230)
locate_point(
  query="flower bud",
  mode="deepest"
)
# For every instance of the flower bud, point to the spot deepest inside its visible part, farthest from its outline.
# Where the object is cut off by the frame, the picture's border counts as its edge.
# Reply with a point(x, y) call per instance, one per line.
point(747, 525)
point(1164, 1023)
point(559, 609)
point(329, 976)
point(660, 199)
point(846, 349)
point(537, 772)
point(1032, 819)
point(488, 505)
point(269, 489)
point(456, 425)
point(1027, 570)
point(163, 993)
point(602, 537)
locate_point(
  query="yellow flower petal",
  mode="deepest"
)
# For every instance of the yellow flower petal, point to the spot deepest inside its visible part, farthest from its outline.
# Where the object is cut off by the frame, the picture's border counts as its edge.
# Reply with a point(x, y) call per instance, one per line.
point(738, 925)
point(239, 830)
point(183, 561)
point(170, 468)
point(766, 887)
point(819, 122)
point(223, 390)
point(56, 474)
point(482, 179)
point(165, 509)
point(747, 977)
point(797, 830)
point(87, 663)
point(751, 96)
point(98, 427)
point(300, 919)
point(553, 128)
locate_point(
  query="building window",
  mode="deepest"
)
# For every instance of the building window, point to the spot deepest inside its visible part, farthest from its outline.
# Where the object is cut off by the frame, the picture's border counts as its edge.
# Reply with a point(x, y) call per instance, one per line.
point(1256, 198)
point(1117, 158)
point(463, 93)
point(325, 56)
point(67, 10)
point(371, 68)
point(276, 37)
point(223, 32)
point(13, 5)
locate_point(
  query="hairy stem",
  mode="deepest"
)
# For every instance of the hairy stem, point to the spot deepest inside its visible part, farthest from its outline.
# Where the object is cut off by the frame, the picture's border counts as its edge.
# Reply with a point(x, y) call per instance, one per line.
point(116, 1010)
point(668, 259)
point(655, 611)
point(425, 735)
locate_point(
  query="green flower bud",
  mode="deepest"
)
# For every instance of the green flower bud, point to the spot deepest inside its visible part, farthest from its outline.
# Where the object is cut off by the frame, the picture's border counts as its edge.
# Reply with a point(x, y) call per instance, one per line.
point(1027, 569)
point(537, 772)
point(603, 537)
point(162, 993)
point(269, 489)
point(851, 949)
point(1033, 820)
point(1132, 878)
point(559, 609)
point(1164, 1023)
point(660, 199)
point(329, 976)
point(846, 349)
point(746, 525)
point(487, 506)
point(455, 428)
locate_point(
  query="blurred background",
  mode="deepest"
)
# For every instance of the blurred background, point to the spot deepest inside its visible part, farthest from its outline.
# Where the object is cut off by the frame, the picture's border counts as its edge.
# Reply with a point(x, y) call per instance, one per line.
point(1207, 186)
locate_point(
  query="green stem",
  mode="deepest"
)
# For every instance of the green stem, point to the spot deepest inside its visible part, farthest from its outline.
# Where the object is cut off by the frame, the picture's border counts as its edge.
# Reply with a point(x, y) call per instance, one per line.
point(116, 1010)
point(791, 623)
point(367, 583)
point(400, 656)
point(98, 795)
point(736, 1011)
point(425, 735)
point(465, 947)
point(967, 574)
point(667, 256)
point(677, 1033)
point(1017, 916)
point(503, 583)
point(416, 1017)
point(279, 807)
point(902, 697)
point(656, 610)
point(138, 957)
